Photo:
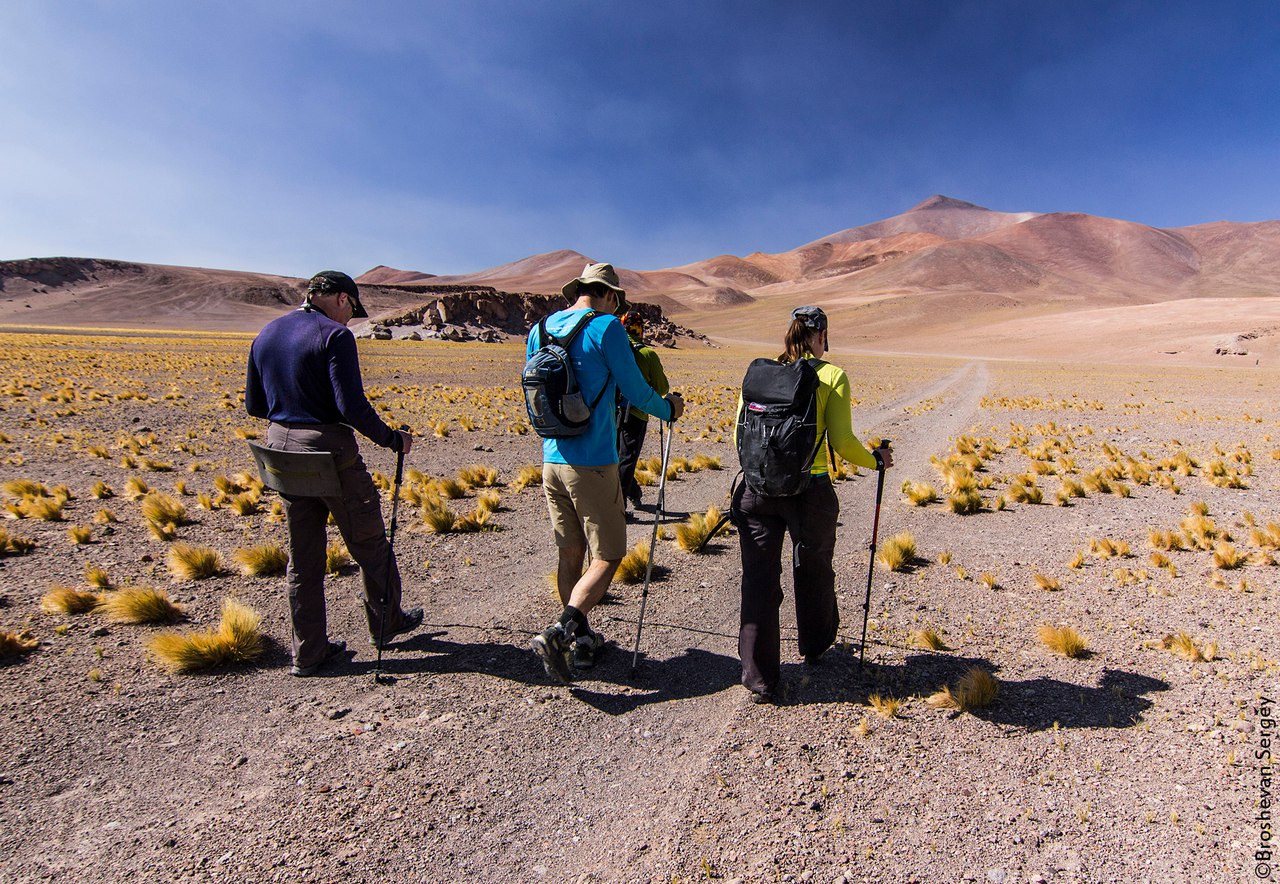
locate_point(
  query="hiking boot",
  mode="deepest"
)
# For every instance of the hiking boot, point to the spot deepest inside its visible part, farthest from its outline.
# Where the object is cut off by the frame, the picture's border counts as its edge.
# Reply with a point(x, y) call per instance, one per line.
point(408, 623)
point(587, 649)
point(334, 649)
point(553, 646)
point(764, 698)
point(634, 497)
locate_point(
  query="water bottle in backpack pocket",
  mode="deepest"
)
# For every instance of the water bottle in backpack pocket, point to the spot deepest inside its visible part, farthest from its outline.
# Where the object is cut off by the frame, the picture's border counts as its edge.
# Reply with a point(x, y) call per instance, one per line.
point(777, 430)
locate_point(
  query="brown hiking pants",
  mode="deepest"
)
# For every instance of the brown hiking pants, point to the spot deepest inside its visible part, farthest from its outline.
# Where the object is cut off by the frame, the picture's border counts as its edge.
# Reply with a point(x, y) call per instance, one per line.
point(358, 515)
point(810, 518)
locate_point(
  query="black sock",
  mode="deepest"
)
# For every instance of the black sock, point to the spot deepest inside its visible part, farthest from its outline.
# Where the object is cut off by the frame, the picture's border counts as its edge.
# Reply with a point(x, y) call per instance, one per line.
point(575, 617)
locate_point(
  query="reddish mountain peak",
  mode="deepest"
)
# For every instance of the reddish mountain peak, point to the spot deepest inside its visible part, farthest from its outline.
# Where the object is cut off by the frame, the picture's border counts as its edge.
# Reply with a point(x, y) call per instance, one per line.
point(938, 201)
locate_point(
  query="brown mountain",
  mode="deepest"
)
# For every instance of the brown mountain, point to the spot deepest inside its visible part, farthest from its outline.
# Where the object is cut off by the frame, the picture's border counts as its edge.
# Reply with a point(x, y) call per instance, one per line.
point(946, 276)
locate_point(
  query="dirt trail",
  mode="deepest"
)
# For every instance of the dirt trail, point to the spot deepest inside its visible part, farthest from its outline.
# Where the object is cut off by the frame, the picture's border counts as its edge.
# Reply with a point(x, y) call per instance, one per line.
point(657, 800)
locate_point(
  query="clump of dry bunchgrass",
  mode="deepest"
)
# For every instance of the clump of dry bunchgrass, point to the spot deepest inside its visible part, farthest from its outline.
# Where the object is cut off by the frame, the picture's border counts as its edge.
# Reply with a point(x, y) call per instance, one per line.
point(14, 544)
point(898, 552)
point(1062, 640)
point(1182, 644)
point(336, 557)
point(193, 562)
point(976, 689)
point(692, 534)
point(634, 564)
point(263, 560)
point(929, 639)
point(13, 644)
point(528, 475)
point(140, 604)
point(238, 639)
point(66, 600)
point(919, 493)
point(886, 707)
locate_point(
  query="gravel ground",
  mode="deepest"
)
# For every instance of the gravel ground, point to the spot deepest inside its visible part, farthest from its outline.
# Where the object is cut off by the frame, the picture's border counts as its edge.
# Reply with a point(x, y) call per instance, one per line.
point(1130, 763)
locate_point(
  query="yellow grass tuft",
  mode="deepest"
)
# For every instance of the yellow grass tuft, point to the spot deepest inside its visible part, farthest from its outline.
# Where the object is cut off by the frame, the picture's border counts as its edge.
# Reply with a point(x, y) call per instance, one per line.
point(989, 580)
point(488, 502)
point(1106, 548)
point(705, 462)
point(14, 544)
point(437, 517)
point(929, 639)
point(920, 493)
point(263, 560)
point(46, 509)
point(101, 491)
point(135, 488)
point(239, 639)
point(898, 552)
point(244, 503)
point(95, 576)
point(965, 503)
point(1227, 557)
point(1182, 644)
point(140, 604)
point(160, 508)
point(886, 707)
point(944, 557)
point(528, 475)
point(1048, 584)
point(479, 476)
point(193, 562)
point(80, 534)
point(691, 534)
point(336, 557)
point(13, 644)
point(975, 689)
point(1062, 640)
point(21, 488)
point(65, 600)
point(634, 564)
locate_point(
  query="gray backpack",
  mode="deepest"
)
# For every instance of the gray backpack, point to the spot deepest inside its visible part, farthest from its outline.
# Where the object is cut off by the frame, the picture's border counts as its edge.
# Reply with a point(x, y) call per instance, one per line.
point(555, 403)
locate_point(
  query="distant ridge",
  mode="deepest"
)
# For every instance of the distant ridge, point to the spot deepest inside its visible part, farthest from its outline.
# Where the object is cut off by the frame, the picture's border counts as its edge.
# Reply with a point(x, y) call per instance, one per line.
point(945, 276)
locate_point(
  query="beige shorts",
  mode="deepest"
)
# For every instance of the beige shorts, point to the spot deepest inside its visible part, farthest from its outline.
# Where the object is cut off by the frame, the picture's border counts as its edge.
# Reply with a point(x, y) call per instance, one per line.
point(586, 508)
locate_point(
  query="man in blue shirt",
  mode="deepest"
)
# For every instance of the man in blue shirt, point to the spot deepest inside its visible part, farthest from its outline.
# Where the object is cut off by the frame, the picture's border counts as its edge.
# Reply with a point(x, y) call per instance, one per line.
point(580, 473)
point(304, 376)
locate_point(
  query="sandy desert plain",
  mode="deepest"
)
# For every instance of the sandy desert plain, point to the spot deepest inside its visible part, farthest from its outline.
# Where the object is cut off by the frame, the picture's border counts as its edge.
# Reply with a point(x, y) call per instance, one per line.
point(1136, 761)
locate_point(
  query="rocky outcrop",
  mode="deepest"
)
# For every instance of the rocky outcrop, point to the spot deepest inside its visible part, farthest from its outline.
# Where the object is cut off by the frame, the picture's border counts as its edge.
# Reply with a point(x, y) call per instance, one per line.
point(481, 313)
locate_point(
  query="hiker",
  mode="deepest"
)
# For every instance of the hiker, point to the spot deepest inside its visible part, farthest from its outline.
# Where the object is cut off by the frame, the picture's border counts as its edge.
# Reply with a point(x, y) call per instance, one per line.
point(808, 514)
point(633, 423)
point(304, 377)
point(580, 460)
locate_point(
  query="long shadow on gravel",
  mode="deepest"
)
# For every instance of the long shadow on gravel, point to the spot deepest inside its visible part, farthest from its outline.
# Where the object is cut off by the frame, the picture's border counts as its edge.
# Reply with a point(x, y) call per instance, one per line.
point(694, 673)
point(1117, 701)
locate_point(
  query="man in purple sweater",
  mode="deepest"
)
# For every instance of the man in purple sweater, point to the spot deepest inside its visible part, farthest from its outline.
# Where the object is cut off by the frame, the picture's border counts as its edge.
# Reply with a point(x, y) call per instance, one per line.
point(304, 377)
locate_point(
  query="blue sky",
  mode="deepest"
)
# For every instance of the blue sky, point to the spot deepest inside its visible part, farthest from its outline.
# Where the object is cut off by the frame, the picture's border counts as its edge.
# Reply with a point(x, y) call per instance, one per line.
point(447, 137)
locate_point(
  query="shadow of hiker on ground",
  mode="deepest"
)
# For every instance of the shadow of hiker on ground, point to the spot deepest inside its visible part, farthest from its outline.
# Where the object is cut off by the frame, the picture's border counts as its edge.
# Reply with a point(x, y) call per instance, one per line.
point(694, 673)
point(1117, 701)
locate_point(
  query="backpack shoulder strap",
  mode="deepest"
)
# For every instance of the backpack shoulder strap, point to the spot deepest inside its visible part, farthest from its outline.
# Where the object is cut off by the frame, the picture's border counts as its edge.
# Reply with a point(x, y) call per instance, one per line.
point(566, 340)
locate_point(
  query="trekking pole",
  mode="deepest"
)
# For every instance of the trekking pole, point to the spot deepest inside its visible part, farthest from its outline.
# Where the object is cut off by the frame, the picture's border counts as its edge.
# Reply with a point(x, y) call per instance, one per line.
point(653, 539)
point(391, 559)
point(871, 565)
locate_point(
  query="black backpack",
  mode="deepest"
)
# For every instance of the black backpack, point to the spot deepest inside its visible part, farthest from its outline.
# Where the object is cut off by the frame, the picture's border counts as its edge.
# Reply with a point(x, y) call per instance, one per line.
point(552, 396)
point(778, 426)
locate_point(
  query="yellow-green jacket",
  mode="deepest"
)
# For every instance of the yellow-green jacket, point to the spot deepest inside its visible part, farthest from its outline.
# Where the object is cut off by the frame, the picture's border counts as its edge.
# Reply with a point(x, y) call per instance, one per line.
point(651, 367)
point(835, 415)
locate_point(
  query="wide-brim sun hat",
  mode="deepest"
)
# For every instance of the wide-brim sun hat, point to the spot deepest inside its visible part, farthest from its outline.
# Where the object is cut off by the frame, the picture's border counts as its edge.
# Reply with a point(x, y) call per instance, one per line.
point(597, 274)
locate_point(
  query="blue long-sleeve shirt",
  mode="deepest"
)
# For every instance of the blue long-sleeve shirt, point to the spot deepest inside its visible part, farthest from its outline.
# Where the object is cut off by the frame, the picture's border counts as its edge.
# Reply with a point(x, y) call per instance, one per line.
point(602, 360)
point(303, 368)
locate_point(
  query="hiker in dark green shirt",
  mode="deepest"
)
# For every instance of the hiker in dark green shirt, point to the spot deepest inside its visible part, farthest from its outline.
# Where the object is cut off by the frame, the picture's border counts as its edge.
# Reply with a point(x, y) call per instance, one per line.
point(632, 422)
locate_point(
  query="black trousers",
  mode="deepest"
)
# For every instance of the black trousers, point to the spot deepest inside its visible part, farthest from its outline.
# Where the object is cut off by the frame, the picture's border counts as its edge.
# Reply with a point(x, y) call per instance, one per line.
point(631, 432)
point(810, 518)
